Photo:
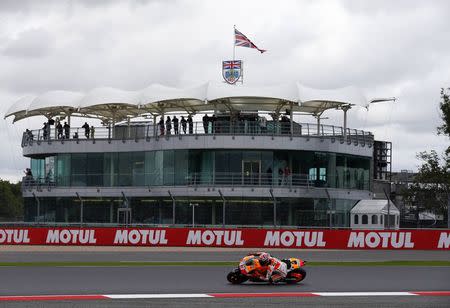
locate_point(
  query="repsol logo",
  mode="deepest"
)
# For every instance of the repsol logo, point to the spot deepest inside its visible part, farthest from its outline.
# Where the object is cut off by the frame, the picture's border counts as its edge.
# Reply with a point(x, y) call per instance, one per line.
point(140, 236)
point(444, 240)
point(68, 236)
point(295, 238)
point(380, 240)
point(216, 237)
point(14, 236)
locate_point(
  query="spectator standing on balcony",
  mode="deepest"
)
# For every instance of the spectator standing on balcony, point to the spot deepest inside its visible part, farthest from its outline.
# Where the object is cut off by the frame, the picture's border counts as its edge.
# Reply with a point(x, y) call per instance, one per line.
point(28, 172)
point(28, 177)
point(45, 131)
point(168, 126)
point(66, 130)
point(92, 131)
point(262, 124)
point(183, 124)
point(191, 124)
point(161, 126)
point(59, 128)
point(280, 176)
point(205, 120)
point(287, 174)
point(175, 124)
point(86, 129)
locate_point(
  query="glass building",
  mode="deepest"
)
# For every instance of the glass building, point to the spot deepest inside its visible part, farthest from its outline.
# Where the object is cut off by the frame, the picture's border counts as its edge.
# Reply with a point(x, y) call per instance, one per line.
point(240, 159)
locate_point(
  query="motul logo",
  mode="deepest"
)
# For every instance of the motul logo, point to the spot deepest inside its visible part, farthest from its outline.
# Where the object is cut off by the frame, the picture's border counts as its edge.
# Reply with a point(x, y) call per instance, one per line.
point(14, 236)
point(216, 237)
point(380, 239)
point(444, 240)
point(66, 236)
point(143, 236)
point(297, 238)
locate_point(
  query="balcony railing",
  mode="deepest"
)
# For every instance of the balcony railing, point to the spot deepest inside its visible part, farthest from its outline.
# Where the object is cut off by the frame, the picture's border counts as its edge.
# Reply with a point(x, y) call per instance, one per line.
point(195, 179)
point(149, 131)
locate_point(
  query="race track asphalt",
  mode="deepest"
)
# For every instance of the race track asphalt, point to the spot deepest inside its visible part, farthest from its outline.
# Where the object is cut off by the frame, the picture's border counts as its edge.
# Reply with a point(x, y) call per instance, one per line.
point(218, 255)
point(212, 279)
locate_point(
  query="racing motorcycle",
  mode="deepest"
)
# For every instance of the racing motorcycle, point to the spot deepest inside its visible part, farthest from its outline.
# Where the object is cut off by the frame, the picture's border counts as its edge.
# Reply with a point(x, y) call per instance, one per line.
point(250, 264)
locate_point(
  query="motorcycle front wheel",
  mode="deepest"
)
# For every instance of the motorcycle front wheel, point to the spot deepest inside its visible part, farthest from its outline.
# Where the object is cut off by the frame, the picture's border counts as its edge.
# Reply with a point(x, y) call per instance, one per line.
point(295, 276)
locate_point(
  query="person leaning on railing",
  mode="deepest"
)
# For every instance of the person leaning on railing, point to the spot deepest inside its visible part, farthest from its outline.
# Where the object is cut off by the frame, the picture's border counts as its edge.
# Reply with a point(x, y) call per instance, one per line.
point(66, 130)
point(92, 131)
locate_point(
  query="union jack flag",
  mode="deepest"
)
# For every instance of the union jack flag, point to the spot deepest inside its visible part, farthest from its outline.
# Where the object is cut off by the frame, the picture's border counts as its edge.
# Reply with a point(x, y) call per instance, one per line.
point(243, 41)
point(227, 65)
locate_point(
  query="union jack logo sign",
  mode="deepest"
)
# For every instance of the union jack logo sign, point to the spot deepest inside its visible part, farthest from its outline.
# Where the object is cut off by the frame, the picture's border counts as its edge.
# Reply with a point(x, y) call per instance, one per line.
point(232, 71)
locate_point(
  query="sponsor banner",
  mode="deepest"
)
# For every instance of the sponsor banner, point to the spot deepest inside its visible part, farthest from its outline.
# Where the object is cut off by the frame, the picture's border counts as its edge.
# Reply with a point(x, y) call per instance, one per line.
point(238, 238)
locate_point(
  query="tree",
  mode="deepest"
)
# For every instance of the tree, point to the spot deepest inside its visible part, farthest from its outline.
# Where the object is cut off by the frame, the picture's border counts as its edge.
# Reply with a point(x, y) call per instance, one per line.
point(11, 201)
point(431, 187)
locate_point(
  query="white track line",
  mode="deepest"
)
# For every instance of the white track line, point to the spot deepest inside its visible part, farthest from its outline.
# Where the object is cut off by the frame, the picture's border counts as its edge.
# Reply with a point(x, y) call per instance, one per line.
point(364, 293)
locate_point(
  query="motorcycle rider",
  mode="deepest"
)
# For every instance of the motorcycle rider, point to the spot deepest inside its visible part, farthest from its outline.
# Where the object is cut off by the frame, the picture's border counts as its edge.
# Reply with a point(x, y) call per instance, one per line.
point(272, 269)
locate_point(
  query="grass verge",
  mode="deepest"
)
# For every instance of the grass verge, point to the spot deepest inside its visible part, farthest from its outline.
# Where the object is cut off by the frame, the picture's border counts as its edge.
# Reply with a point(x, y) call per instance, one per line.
point(217, 263)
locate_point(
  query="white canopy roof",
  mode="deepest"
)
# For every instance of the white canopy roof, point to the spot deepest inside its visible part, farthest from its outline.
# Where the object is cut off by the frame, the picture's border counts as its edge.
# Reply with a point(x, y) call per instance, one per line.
point(112, 103)
point(374, 206)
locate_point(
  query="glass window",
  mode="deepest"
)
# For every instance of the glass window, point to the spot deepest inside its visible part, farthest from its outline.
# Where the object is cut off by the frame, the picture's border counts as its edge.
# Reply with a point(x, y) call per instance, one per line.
point(50, 169)
point(38, 169)
point(356, 219)
point(137, 168)
point(181, 167)
point(94, 169)
point(124, 169)
point(169, 167)
point(78, 165)
point(63, 170)
point(110, 169)
point(374, 219)
point(365, 219)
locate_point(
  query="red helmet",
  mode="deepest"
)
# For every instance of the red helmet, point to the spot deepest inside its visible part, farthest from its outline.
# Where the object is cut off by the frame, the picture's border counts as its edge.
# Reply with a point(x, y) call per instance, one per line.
point(264, 258)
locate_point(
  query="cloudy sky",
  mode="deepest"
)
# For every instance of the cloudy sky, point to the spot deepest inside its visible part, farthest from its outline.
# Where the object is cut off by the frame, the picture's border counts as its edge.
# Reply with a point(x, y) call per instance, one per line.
point(386, 48)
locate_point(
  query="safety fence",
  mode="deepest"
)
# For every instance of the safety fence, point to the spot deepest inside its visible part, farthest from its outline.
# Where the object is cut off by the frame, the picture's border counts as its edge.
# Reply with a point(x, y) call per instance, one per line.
point(234, 238)
point(149, 131)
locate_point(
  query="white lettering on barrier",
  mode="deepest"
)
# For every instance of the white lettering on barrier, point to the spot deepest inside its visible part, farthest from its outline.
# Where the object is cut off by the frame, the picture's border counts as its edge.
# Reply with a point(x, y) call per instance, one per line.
point(138, 236)
point(14, 236)
point(374, 239)
point(66, 236)
point(300, 238)
point(444, 240)
point(215, 237)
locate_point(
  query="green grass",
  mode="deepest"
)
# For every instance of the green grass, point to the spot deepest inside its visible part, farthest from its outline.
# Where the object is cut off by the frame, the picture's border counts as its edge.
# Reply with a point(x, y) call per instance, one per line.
point(220, 263)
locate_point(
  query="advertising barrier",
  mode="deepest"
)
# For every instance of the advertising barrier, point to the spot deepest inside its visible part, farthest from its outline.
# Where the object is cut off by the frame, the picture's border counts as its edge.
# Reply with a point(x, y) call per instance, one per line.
point(237, 238)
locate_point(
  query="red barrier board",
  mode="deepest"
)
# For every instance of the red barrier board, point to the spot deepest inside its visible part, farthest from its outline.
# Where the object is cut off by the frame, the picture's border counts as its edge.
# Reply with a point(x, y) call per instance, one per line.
point(237, 238)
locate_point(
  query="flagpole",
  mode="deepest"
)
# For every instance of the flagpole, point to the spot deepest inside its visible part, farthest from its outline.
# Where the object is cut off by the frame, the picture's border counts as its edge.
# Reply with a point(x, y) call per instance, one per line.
point(234, 42)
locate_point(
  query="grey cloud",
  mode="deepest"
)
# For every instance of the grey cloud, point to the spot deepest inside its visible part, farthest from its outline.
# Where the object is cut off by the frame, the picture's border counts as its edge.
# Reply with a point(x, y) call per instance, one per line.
point(32, 43)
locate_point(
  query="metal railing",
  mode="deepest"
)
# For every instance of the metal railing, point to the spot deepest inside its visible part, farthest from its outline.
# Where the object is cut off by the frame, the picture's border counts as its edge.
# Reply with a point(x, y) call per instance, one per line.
point(148, 131)
point(192, 179)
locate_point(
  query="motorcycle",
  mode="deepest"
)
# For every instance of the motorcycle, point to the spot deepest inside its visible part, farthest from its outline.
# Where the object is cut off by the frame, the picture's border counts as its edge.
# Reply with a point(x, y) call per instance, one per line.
point(249, 264)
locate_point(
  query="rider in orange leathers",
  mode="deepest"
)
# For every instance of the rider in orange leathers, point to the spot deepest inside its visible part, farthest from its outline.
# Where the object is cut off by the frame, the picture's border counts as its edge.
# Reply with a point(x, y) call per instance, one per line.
point(263, 266)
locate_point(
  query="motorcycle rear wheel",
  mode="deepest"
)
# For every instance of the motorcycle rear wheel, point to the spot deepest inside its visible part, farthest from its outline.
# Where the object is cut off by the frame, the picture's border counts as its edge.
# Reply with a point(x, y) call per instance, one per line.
point(235, 277)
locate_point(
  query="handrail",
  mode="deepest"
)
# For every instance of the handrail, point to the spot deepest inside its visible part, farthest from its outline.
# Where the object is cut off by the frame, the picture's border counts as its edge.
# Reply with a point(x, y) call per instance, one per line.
point(190, 179)
point(149, 131)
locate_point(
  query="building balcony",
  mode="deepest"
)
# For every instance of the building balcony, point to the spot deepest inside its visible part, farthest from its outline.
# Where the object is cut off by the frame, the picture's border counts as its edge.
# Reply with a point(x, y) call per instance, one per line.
point(144, 137)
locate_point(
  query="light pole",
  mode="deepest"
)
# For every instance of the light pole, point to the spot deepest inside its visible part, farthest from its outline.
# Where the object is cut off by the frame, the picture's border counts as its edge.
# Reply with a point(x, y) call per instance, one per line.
point(193, 213)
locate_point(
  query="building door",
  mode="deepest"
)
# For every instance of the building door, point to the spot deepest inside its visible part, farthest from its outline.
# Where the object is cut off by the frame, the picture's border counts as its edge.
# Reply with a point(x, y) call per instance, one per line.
point(251, 172)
